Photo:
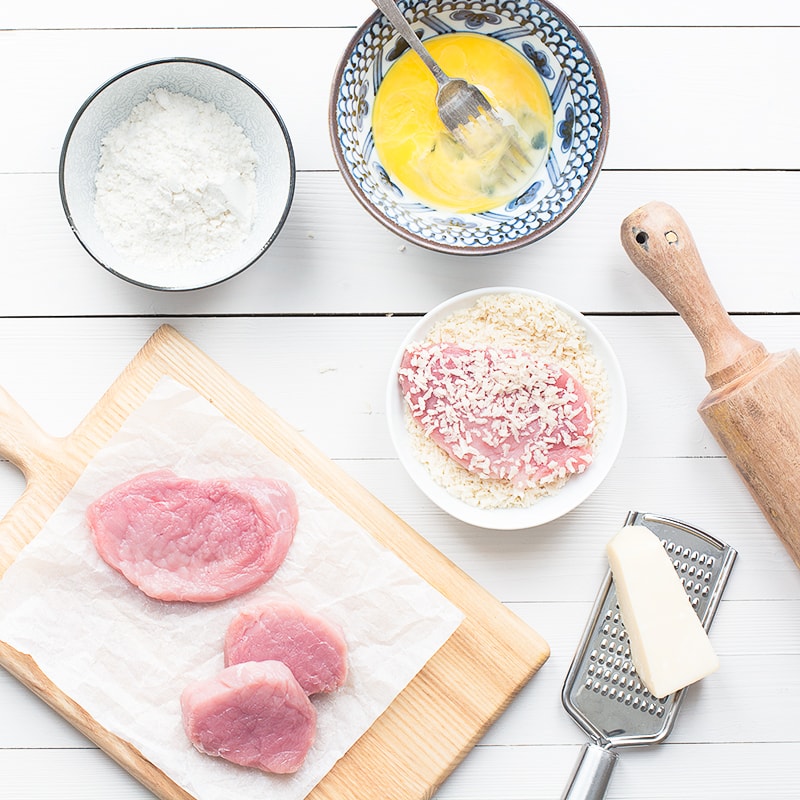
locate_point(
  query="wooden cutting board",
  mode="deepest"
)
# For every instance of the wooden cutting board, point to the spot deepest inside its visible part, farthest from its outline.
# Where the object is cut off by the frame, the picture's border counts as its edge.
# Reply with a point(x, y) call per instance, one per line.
point(429, 727)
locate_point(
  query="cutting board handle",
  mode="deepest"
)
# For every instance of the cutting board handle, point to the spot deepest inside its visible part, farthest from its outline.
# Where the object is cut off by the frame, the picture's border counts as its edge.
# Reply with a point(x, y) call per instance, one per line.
point(659, 243)
point(23, 442)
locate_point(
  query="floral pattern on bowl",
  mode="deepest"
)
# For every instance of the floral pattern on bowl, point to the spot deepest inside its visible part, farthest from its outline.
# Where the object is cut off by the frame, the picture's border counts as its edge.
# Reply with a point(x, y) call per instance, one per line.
point(569, 69)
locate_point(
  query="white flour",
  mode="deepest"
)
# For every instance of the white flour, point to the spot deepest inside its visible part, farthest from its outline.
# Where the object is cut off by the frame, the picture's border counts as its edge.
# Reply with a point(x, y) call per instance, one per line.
point(176, 182)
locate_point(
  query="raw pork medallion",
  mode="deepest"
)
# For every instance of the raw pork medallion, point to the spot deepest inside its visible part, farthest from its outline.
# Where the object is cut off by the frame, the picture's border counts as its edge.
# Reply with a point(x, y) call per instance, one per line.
point(194, 540)
point(254, 714)
point(311, 646)
point(499, 412)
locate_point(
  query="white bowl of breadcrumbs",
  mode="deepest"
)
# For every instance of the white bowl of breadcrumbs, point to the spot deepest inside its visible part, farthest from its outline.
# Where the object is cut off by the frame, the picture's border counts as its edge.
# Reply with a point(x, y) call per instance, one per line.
point(508, 318)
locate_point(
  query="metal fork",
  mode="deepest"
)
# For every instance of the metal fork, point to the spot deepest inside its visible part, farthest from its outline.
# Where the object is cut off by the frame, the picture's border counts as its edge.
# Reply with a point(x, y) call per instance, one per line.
point(463, 108)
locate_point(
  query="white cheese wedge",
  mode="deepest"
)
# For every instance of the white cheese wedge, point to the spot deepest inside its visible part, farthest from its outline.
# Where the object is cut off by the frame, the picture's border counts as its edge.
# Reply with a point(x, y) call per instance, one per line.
point(669, 647)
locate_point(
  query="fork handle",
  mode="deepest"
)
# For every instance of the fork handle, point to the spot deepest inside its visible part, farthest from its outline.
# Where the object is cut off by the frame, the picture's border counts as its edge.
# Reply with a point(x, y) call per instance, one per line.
point(395, 16)
point(592, 773)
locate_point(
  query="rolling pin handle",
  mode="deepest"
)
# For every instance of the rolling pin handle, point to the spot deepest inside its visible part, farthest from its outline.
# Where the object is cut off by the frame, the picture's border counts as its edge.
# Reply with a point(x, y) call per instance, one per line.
point(659, 243)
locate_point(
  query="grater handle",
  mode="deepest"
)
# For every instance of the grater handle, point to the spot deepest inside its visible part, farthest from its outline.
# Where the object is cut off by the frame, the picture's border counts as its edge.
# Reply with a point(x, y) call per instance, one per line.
point(592, 773)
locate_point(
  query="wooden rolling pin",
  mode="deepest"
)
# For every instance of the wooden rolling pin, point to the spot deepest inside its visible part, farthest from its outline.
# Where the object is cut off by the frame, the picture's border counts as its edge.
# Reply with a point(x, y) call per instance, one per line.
point(753, 408)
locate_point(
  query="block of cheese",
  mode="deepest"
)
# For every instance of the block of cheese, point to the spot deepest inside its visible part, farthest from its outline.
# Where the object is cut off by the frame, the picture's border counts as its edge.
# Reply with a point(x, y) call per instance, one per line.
point(670, 649)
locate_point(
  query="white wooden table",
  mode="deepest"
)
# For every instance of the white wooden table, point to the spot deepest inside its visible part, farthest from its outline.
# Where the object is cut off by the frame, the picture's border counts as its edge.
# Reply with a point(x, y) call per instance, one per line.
point(703, 116)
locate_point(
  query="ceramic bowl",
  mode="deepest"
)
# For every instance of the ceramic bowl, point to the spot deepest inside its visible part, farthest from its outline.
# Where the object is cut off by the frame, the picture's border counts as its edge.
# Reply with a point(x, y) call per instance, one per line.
point(231, 93)
point(572, 76)
point(545, 509)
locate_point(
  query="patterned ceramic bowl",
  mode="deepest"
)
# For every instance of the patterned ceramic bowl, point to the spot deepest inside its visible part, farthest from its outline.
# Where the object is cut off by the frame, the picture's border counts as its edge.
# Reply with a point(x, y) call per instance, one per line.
point(572, 76)
point(263, 200)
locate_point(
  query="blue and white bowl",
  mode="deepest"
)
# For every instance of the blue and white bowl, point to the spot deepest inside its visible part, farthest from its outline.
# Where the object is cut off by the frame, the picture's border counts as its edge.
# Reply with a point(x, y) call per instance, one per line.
point(569, 68)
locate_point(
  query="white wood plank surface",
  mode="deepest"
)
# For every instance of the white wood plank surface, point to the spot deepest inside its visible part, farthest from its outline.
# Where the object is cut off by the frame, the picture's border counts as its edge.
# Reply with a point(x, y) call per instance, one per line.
point(676, 102)
point(333, 258)
point(703, 117)
point(151, 14)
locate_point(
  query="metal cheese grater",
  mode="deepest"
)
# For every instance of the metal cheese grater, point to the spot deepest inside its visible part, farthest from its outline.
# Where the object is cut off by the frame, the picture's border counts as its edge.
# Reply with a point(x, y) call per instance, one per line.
point(602, 691)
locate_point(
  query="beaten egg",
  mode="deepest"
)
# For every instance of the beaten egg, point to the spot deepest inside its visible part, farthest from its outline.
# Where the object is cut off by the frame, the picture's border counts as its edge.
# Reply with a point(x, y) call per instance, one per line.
point(421, 155)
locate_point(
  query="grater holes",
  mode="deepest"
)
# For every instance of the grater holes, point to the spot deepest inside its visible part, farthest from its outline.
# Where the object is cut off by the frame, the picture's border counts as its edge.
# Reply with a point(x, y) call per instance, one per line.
point(630, 693)
point(608, 669)
point(694, 587)
point(610, 661)
point(620, 696)
point(612, 627)
point(616, 648)
point(693, 566)
point(614, 616)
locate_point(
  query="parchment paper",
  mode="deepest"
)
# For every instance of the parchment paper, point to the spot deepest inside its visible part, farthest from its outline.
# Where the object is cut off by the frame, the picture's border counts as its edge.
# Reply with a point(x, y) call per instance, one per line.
point(126, 658)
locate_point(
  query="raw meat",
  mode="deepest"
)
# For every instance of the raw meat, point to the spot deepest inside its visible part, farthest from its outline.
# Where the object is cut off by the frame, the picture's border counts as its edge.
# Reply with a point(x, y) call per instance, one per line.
point(194, 540)
point(312, 647)
point(500, 412)
point(254, 714)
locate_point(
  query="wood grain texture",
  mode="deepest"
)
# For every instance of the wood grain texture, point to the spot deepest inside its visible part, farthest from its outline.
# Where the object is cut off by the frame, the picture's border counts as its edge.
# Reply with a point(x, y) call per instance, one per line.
point(753, 410)
point(462, 689)
point(756, 420)
point(660, 244)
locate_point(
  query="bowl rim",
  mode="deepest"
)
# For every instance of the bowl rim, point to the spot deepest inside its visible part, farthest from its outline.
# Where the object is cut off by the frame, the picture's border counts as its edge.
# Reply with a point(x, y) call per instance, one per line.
point(549, 508)
point(173, 60)
point(473, 250)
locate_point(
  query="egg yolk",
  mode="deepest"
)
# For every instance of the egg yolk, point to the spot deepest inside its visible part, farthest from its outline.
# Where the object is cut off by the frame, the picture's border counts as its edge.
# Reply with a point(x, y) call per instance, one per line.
point(422, 156)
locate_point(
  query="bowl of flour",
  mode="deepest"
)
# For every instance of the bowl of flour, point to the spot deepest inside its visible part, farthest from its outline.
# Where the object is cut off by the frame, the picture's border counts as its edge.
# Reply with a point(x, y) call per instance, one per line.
point(177, 174)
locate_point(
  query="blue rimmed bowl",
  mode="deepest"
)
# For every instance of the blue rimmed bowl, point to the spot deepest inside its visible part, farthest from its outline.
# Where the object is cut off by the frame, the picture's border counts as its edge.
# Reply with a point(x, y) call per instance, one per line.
point(574, 80)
